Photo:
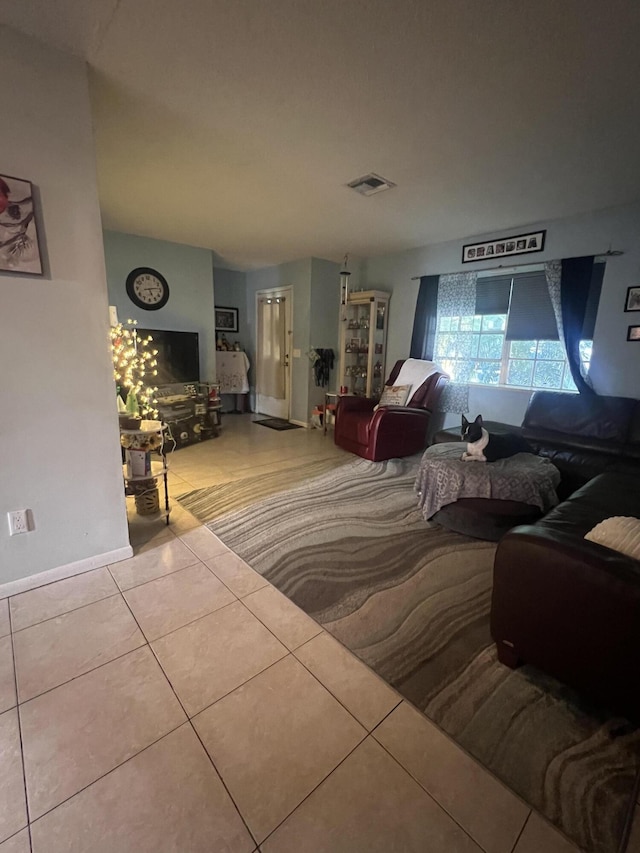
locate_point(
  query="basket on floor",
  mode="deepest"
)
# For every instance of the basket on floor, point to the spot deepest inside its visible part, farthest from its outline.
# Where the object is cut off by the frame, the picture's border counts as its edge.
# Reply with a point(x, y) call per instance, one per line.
point(147, 497)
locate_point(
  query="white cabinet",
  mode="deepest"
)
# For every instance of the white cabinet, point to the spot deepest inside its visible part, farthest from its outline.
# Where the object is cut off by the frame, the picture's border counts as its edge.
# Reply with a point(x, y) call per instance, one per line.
point(363, 343)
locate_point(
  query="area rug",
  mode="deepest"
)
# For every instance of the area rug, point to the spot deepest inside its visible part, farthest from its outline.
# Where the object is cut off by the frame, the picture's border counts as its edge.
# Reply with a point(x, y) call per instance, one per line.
point(412, 601)
point(213, 501)
point(276, 423)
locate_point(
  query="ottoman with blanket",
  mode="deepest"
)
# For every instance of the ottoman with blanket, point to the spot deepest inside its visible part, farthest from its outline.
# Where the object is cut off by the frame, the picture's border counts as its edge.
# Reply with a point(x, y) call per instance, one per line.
point(480, 499)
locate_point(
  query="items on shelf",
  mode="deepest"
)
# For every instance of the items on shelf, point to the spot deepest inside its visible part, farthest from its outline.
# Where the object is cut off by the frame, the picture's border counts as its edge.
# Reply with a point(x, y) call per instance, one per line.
point(362, 358)
point(190, 411)
point(140, 471)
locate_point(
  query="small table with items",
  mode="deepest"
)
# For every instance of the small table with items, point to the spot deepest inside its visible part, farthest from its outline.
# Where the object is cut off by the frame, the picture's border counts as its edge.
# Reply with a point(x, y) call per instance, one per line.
point(484, 499)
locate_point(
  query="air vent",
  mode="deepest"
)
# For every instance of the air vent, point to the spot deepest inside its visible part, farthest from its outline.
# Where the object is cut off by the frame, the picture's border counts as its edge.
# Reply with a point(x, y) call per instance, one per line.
point(371, 184)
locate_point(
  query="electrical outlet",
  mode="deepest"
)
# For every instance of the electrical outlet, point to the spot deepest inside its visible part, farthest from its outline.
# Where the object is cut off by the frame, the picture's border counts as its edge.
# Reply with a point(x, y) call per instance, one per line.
point(18, 521)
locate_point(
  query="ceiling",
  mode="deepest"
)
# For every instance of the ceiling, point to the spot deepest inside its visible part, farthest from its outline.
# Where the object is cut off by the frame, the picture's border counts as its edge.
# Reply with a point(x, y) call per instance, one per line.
point(236, 125)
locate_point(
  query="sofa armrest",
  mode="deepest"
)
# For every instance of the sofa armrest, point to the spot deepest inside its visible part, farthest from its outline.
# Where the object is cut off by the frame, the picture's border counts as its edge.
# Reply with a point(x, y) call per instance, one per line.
point(570, 607)
point(355, 404)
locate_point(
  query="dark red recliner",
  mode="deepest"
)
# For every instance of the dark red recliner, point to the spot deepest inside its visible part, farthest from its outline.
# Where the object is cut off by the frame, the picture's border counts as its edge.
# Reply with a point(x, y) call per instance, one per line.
point(392, 431)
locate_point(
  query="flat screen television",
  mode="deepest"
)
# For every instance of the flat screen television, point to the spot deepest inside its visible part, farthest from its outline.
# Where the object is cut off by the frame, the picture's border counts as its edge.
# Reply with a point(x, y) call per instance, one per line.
point(178, 356)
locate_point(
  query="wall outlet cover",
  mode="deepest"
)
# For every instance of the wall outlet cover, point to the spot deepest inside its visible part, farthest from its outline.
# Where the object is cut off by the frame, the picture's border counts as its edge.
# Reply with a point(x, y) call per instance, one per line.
point(18, 521)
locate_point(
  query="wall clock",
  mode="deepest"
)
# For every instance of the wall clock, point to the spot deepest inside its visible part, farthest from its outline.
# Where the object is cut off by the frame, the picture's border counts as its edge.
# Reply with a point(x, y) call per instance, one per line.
point(147, 288)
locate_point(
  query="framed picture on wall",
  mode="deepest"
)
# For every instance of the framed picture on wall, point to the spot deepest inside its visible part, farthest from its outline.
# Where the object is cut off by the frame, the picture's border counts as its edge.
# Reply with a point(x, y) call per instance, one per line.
point(521, 244)
point(226, 319)
point(632, 302)
point(19, 245)
point(633, 333)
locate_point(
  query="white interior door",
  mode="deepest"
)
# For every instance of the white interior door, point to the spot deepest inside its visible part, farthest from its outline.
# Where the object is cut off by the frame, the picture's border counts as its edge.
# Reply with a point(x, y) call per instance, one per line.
point(273, 361)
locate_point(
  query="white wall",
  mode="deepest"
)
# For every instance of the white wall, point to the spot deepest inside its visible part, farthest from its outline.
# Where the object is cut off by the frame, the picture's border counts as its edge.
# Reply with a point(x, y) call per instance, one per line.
point(59, 443)
point(189, 273)
point(615, 367)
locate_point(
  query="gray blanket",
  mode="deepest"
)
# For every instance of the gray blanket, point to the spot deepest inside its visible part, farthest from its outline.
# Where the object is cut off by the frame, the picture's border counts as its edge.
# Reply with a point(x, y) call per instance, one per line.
point(443, 478)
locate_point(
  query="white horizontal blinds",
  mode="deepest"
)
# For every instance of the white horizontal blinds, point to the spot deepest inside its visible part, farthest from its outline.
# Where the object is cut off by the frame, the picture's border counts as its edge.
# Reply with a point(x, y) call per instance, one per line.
point(492, 295)
point(593, 301)
point(531, 316)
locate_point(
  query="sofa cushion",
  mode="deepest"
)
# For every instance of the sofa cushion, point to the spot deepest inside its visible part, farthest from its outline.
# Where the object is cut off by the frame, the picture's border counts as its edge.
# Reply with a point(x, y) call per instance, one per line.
point(620, 533)
point(586, 416)
point(602, 497)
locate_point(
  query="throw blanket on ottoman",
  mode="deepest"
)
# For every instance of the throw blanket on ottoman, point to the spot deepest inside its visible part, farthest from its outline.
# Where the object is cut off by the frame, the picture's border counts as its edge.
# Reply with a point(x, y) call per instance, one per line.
point(444, 478)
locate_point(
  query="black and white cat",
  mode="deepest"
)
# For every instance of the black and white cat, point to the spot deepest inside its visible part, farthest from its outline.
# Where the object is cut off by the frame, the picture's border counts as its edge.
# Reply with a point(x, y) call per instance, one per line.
point(482, 447)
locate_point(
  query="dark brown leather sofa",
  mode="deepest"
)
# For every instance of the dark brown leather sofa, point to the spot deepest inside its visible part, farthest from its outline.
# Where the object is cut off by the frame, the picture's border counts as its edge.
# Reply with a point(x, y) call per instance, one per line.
point(563, 604)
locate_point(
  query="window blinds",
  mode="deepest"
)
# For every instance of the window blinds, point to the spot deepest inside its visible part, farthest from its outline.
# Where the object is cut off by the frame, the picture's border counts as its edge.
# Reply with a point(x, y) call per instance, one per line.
point(531, 316)
point(492, 294)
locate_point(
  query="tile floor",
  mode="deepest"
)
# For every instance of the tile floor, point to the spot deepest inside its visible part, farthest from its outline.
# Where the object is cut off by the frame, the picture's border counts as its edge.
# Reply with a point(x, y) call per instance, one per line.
point(177, 702)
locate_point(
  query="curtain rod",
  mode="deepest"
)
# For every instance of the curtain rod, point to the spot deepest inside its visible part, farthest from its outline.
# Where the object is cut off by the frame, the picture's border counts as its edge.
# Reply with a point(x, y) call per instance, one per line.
point(609, 253)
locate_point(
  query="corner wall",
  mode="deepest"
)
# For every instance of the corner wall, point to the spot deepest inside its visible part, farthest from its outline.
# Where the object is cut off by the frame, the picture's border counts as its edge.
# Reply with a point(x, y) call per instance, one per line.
point(615, 367)
point(59, 442)
point(189, 273)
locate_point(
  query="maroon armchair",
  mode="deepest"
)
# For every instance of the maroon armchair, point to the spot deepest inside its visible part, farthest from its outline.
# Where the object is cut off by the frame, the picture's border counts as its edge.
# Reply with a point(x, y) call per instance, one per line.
point(392, 431)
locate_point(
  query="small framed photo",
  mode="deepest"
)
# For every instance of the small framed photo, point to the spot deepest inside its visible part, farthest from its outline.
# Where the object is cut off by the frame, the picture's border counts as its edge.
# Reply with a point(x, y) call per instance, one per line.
point(632, 302)
point(19, 246)
point(226, 319)
point(633, 333)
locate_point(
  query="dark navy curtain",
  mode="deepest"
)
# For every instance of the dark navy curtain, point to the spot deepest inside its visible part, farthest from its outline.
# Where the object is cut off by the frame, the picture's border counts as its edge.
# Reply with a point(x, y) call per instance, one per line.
point(575, 287)
point(423, 339)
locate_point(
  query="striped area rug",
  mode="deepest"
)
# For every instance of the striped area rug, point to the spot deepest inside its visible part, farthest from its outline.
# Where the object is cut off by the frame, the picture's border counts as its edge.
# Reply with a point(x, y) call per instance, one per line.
point(412, 601)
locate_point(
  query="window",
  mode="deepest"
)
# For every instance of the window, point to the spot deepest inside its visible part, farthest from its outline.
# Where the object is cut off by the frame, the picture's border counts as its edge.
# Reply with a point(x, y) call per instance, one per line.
point(512, 339)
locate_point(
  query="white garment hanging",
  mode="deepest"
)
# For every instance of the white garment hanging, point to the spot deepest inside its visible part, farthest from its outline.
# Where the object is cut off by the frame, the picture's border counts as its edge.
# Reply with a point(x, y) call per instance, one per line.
point(231, 368)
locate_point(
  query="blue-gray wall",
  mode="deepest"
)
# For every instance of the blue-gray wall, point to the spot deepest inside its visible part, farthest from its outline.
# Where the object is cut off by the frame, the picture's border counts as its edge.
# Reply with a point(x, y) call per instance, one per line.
point(231, 292)
point(615, 367)
point(189, 272)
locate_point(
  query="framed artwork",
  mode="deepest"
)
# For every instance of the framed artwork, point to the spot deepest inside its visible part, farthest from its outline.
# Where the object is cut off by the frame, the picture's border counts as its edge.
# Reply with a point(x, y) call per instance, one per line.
point(226, 319)
point(632, 302)
point(504, 247)
point(19, 246)
point(633, 333)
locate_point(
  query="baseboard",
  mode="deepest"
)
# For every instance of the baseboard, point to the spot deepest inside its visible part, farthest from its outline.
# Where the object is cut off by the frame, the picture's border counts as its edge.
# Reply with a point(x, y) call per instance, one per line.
point(304, 424)
point(66, 571)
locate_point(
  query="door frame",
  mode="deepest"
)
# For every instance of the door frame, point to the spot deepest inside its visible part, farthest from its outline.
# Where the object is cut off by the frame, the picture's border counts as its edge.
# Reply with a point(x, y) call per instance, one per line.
point(270, 293)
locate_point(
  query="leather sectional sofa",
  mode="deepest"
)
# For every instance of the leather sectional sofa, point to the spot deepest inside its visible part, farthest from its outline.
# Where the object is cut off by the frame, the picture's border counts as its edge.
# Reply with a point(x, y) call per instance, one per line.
point(564, 604)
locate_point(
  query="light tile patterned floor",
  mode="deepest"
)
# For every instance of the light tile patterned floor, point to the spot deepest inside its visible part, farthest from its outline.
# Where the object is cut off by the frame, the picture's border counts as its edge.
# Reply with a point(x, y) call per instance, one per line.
point(176, 703)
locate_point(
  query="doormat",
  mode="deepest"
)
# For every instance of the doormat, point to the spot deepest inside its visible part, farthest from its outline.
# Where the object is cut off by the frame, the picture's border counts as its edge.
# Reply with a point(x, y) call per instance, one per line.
point(276, 423)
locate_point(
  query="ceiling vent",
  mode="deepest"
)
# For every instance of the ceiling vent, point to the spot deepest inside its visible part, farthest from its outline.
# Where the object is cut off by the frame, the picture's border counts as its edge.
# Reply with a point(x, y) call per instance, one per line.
point(371, 184)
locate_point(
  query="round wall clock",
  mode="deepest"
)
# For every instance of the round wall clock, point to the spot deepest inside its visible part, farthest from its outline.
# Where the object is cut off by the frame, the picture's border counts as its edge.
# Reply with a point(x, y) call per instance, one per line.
point(147, 289)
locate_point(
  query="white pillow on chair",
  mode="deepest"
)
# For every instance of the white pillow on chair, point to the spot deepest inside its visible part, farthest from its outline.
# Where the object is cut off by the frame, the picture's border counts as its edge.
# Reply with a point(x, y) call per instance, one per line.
point(394, 395)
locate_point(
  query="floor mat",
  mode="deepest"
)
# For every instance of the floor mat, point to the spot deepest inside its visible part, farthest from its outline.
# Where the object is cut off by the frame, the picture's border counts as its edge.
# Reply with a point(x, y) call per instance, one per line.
point(276, 423)
point(412, 601)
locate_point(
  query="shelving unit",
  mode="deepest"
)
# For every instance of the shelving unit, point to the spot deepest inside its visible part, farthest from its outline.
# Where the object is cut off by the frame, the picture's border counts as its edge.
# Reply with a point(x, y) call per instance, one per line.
point(363, 342)
point(159, 470)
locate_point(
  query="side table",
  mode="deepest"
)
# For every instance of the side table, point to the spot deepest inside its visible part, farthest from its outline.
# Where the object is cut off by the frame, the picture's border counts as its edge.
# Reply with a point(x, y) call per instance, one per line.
point(143, 440)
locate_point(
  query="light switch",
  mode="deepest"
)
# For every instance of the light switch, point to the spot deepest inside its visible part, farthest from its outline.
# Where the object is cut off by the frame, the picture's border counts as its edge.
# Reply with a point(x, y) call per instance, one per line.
point(296, 353)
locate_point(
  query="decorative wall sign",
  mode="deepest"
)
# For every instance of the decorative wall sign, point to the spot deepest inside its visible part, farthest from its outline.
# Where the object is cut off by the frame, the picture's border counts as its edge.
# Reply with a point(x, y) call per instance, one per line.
point(633, 333)
point(632, 302)
point(226, 319)
point(521, 244)
point(19, 247)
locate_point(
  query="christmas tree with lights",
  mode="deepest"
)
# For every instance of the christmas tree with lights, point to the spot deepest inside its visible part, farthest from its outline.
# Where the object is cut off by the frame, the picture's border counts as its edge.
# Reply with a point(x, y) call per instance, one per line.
point(134, 361)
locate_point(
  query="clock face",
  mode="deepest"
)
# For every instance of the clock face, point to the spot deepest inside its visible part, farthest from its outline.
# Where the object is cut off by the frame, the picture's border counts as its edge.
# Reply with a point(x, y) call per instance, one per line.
point(147, 288)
